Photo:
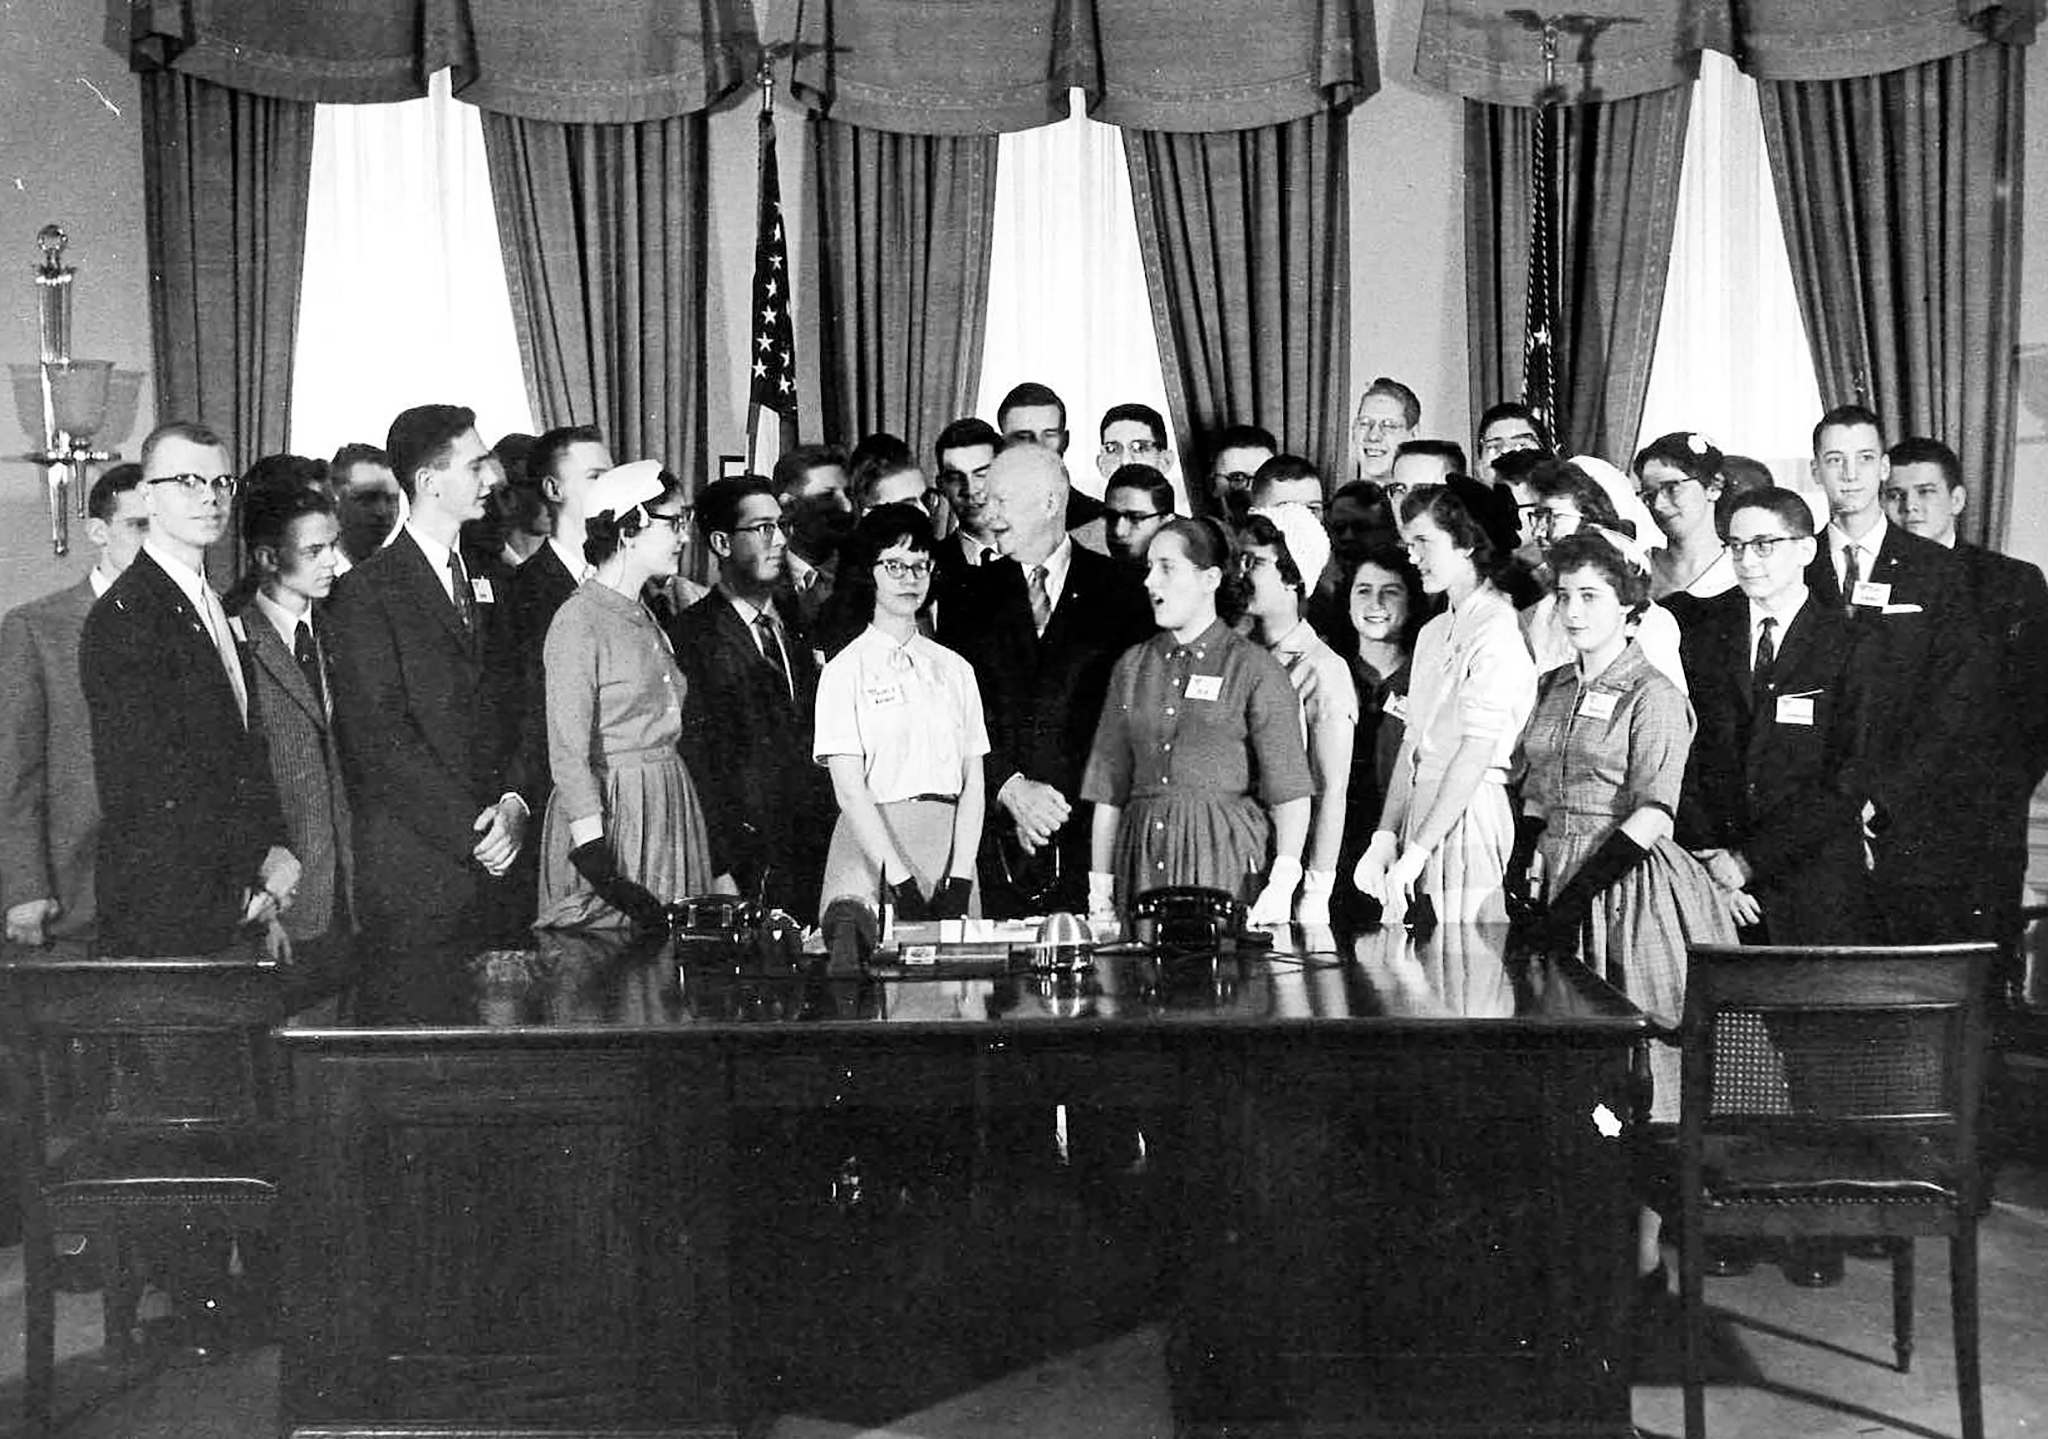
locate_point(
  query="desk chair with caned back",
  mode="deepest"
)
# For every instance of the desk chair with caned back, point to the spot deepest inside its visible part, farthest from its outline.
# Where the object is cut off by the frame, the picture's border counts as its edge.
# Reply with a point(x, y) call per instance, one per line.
point(1833, 1091)
point(147, 1085)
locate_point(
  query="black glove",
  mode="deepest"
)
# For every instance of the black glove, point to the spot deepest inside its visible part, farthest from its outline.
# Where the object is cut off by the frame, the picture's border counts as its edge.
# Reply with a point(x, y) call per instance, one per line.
point(1523, 904)
point(595, 861)
point(949, 901)
point(1557, 930)
point(910, 901)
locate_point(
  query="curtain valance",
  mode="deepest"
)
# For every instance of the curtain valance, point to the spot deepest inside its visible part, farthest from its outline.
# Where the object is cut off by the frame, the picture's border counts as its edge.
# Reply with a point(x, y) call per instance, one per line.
point(599, 61)
point(956, 67)
point(1492, 50)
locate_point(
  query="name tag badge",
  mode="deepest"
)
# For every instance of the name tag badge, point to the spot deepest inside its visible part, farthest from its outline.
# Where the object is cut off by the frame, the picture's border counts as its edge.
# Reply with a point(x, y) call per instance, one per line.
point(1599, 704)
point(1397, 707)
point(883, 696)
point(1795, 709)
point(1870, 592)
point(1205, 687)
point(481, 590)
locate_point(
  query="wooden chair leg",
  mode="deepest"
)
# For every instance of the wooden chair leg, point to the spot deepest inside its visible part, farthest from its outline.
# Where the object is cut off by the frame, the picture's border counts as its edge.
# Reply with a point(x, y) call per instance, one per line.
point(39, 1302)
point(121, 1296)
point(1902, 1302)
point(1692, 1264)
point(1963, 1301)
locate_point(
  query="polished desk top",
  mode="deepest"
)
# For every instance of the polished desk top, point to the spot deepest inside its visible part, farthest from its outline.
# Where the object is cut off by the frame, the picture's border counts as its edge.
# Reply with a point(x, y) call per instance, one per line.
point(604, 983)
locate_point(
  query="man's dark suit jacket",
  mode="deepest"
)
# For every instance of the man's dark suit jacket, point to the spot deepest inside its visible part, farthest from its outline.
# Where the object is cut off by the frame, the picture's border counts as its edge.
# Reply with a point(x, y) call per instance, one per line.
point(1042, 694)
point(768, 806)
point(298, 730)
point(1775, 790)
point(2008, 600)
point(1927, 724)
point(185, 789)
point(49, 807)
point(427, 718)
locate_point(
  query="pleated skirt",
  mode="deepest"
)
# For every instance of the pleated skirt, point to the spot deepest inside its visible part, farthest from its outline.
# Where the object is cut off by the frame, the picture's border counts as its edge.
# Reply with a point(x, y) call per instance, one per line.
point(656, 829)
point(1464, 876)
point(1216, 841)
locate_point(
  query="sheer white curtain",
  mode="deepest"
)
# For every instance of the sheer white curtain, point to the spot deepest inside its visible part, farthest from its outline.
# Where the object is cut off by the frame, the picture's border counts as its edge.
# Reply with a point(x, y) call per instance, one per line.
point(1732, 360)
point(1066, 295)
point(404, 300)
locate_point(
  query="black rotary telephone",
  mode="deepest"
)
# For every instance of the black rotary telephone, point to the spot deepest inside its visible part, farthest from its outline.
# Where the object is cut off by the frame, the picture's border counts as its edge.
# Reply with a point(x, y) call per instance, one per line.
point(1193, 916)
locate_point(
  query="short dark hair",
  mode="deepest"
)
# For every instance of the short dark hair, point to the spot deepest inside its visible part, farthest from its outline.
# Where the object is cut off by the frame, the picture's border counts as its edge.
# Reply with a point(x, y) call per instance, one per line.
point(294, 471)
point(1369, 497)
point(108, 489)
point(718, 503)
point(1450, 507)
point(1031, 393)
point(1208, 547)
point(355, 453)
point(1411, 408)
point(190, 431)
point(1391, 557)
point(602, 533)
point(1514, 410)
point(1135, 476)
point(1589, 549)
point(1260, 530)
point(965, 434)
point(1847, 415)
point(1140, 414)
point(874, 459)
point(1788, 505)
point(1923, 450)
point(548, 450)
point(1692, 455)
point(1284, 470)
point(882, 528)
point(423, 437)
point(794, 466)
point(515, 452)
point(1242, 437)
point(1449, 451)
point(1555, 479)
point(270, 505)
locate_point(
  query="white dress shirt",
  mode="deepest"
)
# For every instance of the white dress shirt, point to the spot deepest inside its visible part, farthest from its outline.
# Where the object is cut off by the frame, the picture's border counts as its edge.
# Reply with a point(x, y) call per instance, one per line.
point(1866, 552)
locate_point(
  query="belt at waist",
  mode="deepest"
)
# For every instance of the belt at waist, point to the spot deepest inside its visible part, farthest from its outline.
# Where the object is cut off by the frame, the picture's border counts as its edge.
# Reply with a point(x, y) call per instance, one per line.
point(634, 758)
point(928, 799)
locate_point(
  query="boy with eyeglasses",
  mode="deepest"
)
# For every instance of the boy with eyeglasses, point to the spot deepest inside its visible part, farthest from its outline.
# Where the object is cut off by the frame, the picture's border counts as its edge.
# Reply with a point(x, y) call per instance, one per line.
point(1779, 696)
point(747, 716)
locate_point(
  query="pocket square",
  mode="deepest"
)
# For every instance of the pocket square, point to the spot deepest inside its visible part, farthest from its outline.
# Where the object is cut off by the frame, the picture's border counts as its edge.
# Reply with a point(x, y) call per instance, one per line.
point(1902, 609)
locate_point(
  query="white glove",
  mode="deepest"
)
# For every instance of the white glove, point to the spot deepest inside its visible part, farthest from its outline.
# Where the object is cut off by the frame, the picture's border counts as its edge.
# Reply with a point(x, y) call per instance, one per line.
point(1313, 908)
point(1276, 901)
point(1370, 875)
point(1102, 905)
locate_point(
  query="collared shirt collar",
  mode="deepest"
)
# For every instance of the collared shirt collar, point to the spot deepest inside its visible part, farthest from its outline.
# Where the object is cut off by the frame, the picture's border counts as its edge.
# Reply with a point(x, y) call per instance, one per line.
point(802, 573)
point(976, 552)
point(184, 576)
point(1057, 564)
point(1198, 648)
point(100, 583)
point(437, 557)
point(1783, 614)
point(283, 620)
point(1866, 548)
point(747, 610)
point(574, 563)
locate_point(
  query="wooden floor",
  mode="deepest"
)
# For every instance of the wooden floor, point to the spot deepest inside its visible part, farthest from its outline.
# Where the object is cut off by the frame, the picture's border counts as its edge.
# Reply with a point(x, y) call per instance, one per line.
point(1789, 1363)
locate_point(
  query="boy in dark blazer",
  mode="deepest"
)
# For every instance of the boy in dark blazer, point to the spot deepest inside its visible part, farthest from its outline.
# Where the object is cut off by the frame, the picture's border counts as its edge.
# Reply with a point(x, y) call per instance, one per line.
point(192, 843)
point(1766, 802)
point(49, 805)
point(425, 702)
point(747, 719)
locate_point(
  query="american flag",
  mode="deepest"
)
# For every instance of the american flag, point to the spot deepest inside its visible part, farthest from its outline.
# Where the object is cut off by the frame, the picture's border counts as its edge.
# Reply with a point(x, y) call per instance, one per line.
point(773, 353)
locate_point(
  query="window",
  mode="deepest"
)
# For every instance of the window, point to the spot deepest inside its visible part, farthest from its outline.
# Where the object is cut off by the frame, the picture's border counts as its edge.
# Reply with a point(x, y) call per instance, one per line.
point(1732, 359)
point(404, 299)
point(1067, 302)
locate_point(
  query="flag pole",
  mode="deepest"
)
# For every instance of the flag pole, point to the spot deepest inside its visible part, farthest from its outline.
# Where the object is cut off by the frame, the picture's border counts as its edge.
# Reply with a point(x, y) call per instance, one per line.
point(764, 133)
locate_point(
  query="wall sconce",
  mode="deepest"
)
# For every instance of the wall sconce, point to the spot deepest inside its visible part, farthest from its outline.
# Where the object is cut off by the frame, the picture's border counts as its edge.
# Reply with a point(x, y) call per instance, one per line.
point(67, 402)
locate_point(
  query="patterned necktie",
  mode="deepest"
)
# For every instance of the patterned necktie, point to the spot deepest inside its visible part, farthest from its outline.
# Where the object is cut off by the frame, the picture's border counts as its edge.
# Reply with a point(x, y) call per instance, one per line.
point(458, 586)
point(771, 650)
point(1041, 600)
point(1850, 577)
point(224, 646)
point(1766, 658)
point(309, 663)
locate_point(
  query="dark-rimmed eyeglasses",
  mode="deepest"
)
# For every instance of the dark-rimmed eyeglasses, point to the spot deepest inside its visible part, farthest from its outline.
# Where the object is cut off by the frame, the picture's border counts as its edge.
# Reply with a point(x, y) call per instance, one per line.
point(674, 519)
point(1134, 517)
point(762, 529)
point(1763, 546)
point(1668, 490)
point(905, 569)
point(222, 485)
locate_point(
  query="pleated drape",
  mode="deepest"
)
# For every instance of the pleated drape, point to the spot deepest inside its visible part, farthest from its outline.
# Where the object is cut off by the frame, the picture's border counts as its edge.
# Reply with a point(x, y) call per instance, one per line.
point(1245, 236)
point(1618, 202)
point(1901, 197)
point(604, 235)
point(226, 180)
point(904, 225)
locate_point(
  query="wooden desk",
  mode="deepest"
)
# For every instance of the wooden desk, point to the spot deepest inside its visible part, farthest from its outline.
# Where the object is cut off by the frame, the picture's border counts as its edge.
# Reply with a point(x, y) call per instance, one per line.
point(1392, 1200)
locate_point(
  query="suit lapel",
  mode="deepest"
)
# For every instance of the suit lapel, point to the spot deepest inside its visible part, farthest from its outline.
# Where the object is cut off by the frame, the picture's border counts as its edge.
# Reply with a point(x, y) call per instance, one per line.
point(267, 650)
point(428, 595)
point(185, 625)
